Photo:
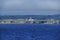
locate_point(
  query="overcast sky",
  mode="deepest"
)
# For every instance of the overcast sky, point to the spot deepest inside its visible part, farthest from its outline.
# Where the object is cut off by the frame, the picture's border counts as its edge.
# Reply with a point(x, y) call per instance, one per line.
point(29, 7)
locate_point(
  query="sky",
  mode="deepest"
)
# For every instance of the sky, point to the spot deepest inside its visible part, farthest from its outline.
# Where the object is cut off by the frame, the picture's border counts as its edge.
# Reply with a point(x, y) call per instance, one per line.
point(29, 7)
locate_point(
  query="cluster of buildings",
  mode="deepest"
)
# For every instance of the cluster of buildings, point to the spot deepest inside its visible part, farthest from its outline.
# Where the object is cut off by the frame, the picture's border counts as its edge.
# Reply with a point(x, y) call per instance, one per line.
point(17, 21)
point(29, 21)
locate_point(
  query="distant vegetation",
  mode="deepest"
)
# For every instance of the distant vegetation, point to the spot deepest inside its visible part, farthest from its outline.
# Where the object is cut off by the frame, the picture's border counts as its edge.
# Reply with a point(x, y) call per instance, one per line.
point(33, 16)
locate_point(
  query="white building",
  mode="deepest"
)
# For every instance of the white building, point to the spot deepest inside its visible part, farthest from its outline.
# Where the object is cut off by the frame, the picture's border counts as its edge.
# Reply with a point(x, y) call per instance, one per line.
point(31, 20)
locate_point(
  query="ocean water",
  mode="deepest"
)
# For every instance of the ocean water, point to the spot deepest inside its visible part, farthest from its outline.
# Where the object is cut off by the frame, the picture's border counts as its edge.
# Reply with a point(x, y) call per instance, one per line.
point(29, 31)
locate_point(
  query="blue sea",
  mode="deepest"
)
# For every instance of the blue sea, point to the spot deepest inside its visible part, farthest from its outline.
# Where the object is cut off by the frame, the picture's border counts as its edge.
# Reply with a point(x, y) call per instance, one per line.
point(29, 31)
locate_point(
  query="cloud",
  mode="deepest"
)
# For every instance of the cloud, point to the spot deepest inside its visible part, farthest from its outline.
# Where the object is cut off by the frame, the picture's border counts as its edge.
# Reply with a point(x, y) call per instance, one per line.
point(29, 7)
point(31, 4)
point(12, 4)
point(48, 4)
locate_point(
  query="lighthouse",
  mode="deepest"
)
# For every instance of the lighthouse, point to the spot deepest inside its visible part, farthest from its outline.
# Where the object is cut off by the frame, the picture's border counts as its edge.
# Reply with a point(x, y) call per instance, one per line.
point(31, 20)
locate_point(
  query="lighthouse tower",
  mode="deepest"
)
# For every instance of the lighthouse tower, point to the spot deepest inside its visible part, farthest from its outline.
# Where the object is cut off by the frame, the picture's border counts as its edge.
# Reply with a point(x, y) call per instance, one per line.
point(31, 20)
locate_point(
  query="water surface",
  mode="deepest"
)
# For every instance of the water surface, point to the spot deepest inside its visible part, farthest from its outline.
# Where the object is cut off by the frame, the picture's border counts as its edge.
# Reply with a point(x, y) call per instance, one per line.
point(29, 31)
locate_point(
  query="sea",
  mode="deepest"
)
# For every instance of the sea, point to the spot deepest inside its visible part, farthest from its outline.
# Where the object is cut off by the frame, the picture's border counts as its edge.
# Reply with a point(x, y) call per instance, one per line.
point(29, 31)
